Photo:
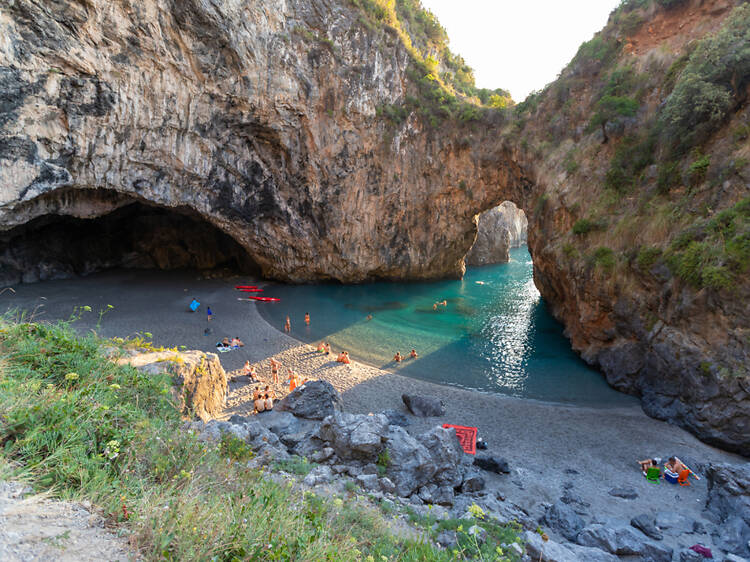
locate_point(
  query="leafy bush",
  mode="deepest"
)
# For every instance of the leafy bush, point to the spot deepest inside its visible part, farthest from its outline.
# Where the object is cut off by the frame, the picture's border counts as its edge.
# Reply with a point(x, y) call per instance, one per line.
point(714, 253)
point(669, 176)
point(715, 77)
point(647, 257)
point(604, 258)
point(584, 226)
point(697, 170)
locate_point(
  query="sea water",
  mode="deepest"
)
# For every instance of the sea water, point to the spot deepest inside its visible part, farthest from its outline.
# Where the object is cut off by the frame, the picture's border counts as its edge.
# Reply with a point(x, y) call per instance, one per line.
point(495, 334)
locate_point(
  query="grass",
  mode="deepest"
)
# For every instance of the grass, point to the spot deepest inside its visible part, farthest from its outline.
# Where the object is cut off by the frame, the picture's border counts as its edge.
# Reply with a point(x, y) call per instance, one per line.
point(81, 427)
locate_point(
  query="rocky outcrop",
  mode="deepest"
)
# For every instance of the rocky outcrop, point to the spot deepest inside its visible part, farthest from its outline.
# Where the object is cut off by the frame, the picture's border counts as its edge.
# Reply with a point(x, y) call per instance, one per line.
point(199, 383)
point(499, 229)
point(313, 400)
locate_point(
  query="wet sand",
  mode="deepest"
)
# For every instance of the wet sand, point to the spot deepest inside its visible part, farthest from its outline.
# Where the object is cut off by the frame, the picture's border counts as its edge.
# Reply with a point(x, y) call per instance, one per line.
point(547, 445)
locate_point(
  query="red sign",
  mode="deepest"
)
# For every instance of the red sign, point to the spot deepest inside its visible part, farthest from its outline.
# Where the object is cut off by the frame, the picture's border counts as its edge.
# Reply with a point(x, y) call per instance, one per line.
point(467, 436)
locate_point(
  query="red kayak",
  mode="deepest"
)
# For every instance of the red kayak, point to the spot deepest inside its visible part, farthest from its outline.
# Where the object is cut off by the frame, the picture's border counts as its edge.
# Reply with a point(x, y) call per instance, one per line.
point(245, 286)
point(251, 290)
point(265, 299)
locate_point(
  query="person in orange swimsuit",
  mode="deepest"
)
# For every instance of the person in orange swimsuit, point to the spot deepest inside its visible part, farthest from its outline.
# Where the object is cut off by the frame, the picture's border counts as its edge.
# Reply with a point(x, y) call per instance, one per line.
point(307, 318)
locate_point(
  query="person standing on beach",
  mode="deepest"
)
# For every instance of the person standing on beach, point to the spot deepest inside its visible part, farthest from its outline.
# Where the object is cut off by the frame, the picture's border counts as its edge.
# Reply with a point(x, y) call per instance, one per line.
point(288, 325)
point(307, 318)
point(209, 314)
point(275, 370)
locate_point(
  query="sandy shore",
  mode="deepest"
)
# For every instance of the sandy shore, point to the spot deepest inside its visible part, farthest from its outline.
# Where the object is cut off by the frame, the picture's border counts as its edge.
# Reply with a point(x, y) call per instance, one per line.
point(549, 446)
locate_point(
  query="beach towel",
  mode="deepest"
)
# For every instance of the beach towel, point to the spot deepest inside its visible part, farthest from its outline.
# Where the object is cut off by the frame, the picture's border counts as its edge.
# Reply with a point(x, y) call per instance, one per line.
point(467, 436)
point(194, 305)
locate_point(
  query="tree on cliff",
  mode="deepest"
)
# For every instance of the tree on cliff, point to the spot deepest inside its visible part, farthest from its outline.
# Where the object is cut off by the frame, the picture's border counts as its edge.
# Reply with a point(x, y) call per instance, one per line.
point(610, 108)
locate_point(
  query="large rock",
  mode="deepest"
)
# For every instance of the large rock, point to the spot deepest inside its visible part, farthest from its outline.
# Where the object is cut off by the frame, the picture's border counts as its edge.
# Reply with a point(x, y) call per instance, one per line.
point(499, 229)
point(355, 436)
point(550, 551)
point(313, 400)
point(491, 464)
point(424, 406)
point(728, 504)
point(563, 519)
point(447, 455)
point(411, 465)
point(623, 541)
point(646, 524)
point(199, 383)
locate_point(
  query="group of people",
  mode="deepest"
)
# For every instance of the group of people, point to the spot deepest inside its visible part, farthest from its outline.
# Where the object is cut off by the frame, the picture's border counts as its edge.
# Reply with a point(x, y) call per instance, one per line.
point(288, 323)
point(263, 400)
point(440, 303)
point(226, 344)
point(343, 357)
point(398, 357)
point(324, 347)
point(674, 468)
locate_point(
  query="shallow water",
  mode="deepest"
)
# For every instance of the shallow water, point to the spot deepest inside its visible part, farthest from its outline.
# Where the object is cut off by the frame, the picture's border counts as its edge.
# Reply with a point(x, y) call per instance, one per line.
point(495, 334)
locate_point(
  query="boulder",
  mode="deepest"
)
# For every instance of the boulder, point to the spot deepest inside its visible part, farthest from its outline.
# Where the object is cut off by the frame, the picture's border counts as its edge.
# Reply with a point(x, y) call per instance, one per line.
point(446, 452)
point(426, 493)
point(492, 464)
point(443, 495)
point(623, 541)
point(691, 556)
point(728, 505)
point(624, 493)
point(368, 481)
point(313, 400)
point(318, 475)
point(647, 525)
point(423, 406)
point(447, 539)
point(411, 465)
point(387, 485)
point(354, 436)
point(563, 519)
point(550, 551)
point(498, 229)
point(199, 383)
point(322, 455)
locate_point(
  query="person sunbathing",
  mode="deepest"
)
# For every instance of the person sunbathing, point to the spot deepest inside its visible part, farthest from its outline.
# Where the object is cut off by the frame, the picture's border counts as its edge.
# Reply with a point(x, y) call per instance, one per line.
point(237, 342)
point(344, 357)
point(674, 465)
point(397, 358)
point(256, 393)
point(250, 371)
point(268, 402)
point(413, 354)
point(321, 347)
point(648, 463)
point(269, 392)
point(328, 349)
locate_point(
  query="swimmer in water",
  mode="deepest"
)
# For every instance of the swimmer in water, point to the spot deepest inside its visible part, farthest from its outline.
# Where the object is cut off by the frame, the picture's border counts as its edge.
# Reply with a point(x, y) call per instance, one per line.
point(397, 358)
point(413, 354)
point(369, 317)
point(307, 318)
point(288, 325)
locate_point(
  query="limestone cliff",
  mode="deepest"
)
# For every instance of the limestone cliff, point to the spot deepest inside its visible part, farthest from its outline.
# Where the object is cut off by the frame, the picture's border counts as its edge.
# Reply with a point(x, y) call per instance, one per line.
point(498, 229)
point(309, 134)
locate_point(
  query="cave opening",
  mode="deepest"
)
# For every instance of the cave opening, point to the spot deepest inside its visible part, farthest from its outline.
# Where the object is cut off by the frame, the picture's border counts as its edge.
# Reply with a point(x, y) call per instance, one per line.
point(499, 229)
point(135, 235)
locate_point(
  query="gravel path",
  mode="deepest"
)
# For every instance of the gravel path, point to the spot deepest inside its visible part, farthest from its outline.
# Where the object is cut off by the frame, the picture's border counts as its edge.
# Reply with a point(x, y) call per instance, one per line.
point(33, 527)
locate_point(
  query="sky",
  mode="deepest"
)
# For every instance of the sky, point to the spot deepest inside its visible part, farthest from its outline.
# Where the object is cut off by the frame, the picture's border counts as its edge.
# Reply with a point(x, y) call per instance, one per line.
point(519, 45)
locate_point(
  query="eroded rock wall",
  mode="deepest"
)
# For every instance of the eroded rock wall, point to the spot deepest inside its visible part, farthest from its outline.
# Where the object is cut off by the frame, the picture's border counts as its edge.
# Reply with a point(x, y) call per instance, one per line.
point(498, 229)
point(260, 117)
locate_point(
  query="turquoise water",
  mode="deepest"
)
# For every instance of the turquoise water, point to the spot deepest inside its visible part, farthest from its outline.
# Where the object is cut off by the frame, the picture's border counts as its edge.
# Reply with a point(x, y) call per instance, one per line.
point(494, 335)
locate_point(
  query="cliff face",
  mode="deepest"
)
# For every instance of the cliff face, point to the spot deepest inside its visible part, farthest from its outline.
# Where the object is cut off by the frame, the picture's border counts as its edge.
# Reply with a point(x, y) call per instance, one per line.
point(498, 229)
point(257, 117)
point(640, 238)
point(302, 131)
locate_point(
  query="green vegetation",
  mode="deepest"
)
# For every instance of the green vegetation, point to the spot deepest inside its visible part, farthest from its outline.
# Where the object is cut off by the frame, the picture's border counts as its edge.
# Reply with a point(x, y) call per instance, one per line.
point(632, 156)
point(383, 462)
point(714, 253)
point(79, 426)
point(698, 168)
point(444, 83)
point(584, 226)
point(603, 258)
point(647, 257)
point(713, 81)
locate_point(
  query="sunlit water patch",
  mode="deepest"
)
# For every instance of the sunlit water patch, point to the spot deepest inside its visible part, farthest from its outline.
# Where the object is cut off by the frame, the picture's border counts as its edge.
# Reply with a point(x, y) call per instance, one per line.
point(494, 334)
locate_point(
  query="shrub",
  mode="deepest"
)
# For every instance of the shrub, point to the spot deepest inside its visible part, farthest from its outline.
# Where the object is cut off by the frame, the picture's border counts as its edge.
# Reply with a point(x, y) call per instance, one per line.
point(610, 108)
point(647, 257)
point(668, 177)
point(584, 226)
point(604, 258)
point(697, 170)
point(631, 157)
